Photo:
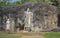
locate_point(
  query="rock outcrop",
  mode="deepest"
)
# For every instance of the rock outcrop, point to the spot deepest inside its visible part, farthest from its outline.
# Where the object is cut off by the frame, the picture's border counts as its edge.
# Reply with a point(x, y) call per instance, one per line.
point(44, 15)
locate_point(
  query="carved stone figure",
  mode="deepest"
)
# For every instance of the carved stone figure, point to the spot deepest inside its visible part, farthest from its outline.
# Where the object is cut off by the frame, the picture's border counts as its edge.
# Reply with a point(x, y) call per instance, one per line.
point(8, 24)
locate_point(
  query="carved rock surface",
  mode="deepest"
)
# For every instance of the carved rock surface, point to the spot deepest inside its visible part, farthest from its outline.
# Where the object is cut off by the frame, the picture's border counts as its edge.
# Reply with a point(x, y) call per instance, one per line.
point(45, 15)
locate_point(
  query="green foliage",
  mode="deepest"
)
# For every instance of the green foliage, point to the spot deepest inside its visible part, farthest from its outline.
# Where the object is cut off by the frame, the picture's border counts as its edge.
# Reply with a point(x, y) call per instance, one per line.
point(58, 3)
point(16, 3)
point(33, 0)
point(4, 2)
point(7, 2)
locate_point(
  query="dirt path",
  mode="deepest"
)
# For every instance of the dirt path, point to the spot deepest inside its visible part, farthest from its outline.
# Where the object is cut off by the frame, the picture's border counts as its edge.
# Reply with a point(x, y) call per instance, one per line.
point(31, 35)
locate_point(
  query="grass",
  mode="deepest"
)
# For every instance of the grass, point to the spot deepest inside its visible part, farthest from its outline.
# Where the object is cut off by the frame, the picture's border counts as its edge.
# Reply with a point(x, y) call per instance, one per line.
point(44, 34)
point(52, 35)
point(6, 35)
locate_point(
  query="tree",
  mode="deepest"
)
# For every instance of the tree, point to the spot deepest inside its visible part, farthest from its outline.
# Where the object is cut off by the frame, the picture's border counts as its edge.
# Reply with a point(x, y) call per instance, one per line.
point(4, 2)
point(55, 2)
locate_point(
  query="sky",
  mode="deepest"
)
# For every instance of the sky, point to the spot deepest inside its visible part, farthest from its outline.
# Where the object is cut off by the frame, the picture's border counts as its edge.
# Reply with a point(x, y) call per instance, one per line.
point(14, 0)
point(11, 1)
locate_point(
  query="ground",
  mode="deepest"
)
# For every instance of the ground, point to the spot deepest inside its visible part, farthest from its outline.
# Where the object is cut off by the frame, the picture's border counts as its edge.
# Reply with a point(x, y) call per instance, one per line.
point(31, 35)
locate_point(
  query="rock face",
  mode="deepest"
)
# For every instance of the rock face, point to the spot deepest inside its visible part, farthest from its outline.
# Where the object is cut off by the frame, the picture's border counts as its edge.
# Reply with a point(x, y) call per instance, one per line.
point(44, 15)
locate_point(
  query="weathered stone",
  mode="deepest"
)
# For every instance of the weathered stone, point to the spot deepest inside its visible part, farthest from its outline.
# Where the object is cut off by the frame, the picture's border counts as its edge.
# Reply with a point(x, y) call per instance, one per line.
point(12, 27)
point(44, 15)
